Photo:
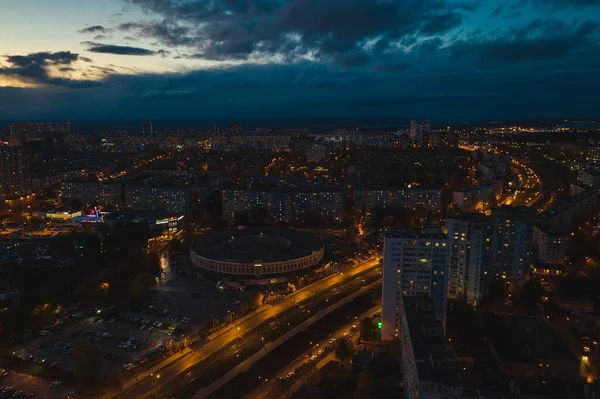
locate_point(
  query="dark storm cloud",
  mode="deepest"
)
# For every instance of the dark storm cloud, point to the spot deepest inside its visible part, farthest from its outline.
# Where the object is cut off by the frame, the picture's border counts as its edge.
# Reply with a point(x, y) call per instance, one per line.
point(35, 68)
point(97, 29)
point(334, 30)
point(320, 91)
point(167, 33)
point(540, 40)
point(566, 3)
point(121, 50)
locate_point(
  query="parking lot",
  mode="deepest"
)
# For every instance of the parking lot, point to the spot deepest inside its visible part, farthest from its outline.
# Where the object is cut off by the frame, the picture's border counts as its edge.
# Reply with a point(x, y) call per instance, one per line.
point(31, 387)
point(177, 306)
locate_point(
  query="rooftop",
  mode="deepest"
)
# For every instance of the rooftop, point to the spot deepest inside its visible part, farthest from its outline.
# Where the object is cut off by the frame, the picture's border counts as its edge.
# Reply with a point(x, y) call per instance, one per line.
point(425, 232)
point(267, 244)
point(525, 339)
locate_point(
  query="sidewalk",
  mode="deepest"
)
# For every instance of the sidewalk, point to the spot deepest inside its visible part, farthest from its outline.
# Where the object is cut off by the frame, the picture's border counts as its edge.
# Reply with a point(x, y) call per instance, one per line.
point(243, 366)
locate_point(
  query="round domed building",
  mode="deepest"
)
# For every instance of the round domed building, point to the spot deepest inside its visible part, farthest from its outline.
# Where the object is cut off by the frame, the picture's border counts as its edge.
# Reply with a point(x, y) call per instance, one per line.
point(263, 251)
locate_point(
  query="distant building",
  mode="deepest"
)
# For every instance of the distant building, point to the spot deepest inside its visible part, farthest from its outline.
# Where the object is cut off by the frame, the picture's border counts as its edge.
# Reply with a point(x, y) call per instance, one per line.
point(468, 199)
point(428, 197)
point(419, 131)
point(147, 198)
point(565, 213)
point(288, 206)
point(234, 129)
point(527, 347)
point(415, 263)
point(37, 131)
point(589, 178)
point(550, 244)
point(147, 130)
point(15, 179)
point(315, 152)
point(89, 193)
point(470, 242)
point(217, 129)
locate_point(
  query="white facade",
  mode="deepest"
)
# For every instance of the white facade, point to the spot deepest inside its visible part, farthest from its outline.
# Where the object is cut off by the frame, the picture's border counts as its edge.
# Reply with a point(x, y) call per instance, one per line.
point(415, 263)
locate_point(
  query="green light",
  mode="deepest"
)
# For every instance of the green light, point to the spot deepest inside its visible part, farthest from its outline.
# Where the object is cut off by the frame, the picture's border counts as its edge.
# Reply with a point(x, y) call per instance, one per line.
point(379, 325)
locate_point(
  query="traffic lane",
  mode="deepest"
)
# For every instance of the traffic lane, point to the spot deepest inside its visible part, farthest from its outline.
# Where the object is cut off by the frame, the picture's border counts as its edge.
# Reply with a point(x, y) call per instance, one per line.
point(270, 333)
point(322, 359)
point(297, 346)
point(149, 384)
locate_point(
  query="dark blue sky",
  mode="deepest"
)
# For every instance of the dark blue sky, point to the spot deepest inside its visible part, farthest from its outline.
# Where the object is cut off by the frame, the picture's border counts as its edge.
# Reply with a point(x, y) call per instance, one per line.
point(446, 60)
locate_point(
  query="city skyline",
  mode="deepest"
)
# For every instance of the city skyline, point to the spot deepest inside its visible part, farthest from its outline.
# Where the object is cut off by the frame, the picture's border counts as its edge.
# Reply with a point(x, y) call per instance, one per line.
point(441, 60)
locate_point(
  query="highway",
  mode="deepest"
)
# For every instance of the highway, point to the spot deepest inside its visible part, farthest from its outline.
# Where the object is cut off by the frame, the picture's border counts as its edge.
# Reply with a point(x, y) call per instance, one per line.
point(294, 351)
point(295, 372)
point(185, 370)
point(529, 191)
point(222, 361)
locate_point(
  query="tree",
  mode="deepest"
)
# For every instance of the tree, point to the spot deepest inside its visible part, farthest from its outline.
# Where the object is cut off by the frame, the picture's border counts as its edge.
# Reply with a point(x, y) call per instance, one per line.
point(257, 300)
point(88, 363)
point(341, 351)
point(366, 328)
point(364, 387)
point(253, 301)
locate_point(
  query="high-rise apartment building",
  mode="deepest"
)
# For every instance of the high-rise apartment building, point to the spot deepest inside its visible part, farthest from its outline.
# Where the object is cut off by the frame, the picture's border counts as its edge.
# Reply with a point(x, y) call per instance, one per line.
point(470, 243)
point(419, 130)
point(415, 263)
point(217, 129)
point(511, 243)
point(15, 179)
point(147, 130)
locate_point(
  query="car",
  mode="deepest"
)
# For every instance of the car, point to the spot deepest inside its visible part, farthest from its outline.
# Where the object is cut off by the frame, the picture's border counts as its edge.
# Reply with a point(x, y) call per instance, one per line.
point(150, 328)
point(110, 321)
point(238, 302)
point(142, 326)
point(52, 364)
point(128, 366)
point(73, 394)
point(55, 384)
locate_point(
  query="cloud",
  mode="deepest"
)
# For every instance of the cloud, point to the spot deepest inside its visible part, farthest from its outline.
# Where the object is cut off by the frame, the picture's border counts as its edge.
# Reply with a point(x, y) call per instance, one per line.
point(96, 29)
point(35, 68)
point(329, 31)
point(121, 50)
point(540, 40)
point(568, 3)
